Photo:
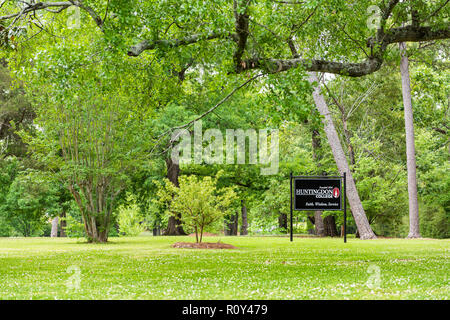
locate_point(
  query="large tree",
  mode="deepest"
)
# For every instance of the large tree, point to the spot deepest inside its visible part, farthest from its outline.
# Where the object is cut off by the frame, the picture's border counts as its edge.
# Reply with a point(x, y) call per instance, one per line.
point(92, 133)
point(364, 229)
point(414, 231)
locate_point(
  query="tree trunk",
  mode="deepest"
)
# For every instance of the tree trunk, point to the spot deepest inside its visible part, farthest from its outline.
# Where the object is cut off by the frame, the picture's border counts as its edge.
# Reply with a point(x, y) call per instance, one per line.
point(318, 224)
point(316, 145)
point(414, 231)
point(174, 227)
point(341, 161)
point(310, 222)
point(283, 221)
point(54, 232)
point(62, 225)
point(231, 225)
point(329, 223)
point(96, 214)
point(244, 227)
point(347, 134)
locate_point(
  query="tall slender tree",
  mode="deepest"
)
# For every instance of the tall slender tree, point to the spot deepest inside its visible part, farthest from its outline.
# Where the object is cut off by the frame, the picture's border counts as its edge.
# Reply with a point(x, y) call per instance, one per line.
point(362, 223)
point(414, 231)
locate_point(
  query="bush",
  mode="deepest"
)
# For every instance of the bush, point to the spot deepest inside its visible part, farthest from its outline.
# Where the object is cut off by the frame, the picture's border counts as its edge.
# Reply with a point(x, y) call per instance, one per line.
point(199, 202)
point(130, 219)
point(74, 227)
point(434, 222)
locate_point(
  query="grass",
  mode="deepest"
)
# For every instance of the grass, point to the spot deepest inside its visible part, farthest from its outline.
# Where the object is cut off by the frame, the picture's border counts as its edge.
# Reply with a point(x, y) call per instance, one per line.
point(262, 268)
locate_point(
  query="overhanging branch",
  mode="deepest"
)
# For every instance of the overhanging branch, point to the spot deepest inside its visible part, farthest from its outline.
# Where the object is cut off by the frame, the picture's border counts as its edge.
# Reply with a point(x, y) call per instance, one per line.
point(60, 6)
point(368, 66)
point(349, 69)
point(144, 45)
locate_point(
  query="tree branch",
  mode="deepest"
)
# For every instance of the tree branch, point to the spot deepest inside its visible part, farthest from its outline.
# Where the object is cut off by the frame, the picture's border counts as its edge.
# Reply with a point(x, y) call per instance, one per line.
point(368, 66)
point(350, 69)
point(33, 7)
point(173, 43)
point(241, 28)
point(90, 11)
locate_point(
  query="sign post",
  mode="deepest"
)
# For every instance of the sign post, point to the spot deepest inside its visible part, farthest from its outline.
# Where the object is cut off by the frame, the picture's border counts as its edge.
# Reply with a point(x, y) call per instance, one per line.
point(292, 223)
point(345, 207)
point(313, 193)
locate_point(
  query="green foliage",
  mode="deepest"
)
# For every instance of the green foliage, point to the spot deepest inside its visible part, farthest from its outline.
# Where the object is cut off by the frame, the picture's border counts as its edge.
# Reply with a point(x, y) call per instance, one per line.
point(381, 188)
point(434, 221)
point(434, 183)
point(129, 218)
point(15, 114)
point(74, 227)
point(263, 223)
point(199, 202)
point(275, 204)
point(28, 201)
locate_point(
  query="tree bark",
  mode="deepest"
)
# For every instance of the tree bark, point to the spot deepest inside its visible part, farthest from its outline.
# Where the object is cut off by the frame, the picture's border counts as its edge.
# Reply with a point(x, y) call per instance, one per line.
point(62, 225)
point(244, 227)
point(54, 232)
point(231, 225)
point(96, 215)
point(318, 224)
point(329, 224)
point(318, 221)
point(357, 209)
point(347, 135)
point(174, 227)
point(283, 221)
point(414, 231)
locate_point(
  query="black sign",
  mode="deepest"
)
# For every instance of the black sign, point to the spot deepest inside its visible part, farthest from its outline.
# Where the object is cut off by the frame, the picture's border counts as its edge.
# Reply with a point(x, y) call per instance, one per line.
point(317, 194)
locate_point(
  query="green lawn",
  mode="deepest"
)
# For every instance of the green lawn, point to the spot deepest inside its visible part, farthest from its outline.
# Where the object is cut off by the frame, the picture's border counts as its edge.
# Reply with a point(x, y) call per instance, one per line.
point(262, 268)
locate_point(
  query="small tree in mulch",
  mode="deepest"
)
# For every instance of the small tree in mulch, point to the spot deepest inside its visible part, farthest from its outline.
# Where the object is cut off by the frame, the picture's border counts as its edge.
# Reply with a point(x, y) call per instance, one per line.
point(200, 203)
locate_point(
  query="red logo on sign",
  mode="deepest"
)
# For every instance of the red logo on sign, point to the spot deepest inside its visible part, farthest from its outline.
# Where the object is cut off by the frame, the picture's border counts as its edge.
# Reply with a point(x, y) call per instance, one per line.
point(336, 192)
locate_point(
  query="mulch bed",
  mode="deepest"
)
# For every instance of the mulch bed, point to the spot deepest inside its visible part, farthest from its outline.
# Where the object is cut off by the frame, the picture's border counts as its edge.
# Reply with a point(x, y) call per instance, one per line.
point(203, 245)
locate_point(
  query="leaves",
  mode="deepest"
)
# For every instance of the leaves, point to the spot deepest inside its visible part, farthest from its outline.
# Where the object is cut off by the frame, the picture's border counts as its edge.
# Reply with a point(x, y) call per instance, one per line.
point(199, 202)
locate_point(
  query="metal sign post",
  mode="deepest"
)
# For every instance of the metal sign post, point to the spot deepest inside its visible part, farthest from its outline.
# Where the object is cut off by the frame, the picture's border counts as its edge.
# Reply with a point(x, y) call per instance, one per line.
point(292, 221)
point(345, 207)
point(313, 193)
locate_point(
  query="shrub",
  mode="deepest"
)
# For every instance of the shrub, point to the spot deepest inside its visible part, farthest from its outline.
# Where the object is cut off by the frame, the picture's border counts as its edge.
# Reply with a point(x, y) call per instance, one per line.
point(199, 202)
point(74, 227)
point(130, 219)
